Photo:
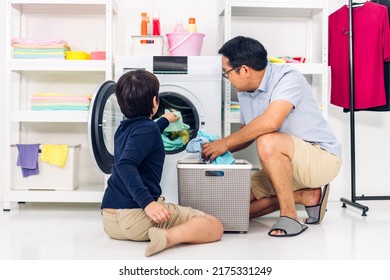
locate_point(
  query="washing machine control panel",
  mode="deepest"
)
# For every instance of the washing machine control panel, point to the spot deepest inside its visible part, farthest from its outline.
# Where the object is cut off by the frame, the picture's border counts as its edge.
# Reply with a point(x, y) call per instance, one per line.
point(177, 68)
point(170, 65)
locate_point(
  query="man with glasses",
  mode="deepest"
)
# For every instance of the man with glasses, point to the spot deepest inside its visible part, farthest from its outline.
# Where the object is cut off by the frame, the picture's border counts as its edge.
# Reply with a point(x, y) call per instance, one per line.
point(297, 150)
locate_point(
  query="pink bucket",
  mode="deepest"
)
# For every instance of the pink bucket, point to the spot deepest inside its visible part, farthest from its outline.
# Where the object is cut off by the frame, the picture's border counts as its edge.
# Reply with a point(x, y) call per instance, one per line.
point(185, 43)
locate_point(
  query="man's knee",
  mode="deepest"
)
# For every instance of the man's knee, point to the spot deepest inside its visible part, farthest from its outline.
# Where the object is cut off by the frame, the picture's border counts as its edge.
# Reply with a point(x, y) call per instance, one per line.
point(265, 145)
point(274, 143)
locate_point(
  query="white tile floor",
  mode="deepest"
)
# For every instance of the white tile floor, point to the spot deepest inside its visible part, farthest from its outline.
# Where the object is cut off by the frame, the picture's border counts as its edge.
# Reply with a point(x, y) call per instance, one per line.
point(46, 231)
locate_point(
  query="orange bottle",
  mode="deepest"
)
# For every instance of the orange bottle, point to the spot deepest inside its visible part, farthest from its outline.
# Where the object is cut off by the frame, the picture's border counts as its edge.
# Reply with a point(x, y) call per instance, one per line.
point(144, 27)
point(191, 25)
point(144, 24)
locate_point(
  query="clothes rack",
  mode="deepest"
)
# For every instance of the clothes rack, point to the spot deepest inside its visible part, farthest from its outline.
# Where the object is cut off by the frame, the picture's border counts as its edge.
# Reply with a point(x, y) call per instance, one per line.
point(354, 197)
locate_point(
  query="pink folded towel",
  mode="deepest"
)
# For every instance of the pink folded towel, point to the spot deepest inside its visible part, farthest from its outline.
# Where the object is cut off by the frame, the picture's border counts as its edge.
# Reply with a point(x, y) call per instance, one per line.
point(30, 41)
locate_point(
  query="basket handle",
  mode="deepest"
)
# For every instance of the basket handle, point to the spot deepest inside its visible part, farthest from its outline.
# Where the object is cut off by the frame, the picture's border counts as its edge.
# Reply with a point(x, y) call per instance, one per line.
point(215, 173)
point(181, 41)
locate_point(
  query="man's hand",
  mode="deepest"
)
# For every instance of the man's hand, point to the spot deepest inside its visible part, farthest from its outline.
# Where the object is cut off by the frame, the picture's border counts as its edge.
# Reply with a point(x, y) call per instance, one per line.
point(157, 212)
point(213, 149)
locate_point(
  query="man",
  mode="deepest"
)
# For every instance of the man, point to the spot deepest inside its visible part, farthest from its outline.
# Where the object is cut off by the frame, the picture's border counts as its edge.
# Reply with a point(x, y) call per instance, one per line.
point(297, 150)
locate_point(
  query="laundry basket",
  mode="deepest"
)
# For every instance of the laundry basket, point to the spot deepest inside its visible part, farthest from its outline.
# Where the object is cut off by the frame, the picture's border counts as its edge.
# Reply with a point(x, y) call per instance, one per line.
point(185, 43)
point(222, 190)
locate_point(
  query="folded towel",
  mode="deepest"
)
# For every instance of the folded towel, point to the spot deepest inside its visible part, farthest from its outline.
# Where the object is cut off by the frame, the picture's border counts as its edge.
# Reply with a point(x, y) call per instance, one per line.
point(55, 154)
point(62, 94)
point(58, 108)
point(37, 46)
point(40, 50)
point(196, 146)
point(42, 42)
point(27, 56)
point(28, 159)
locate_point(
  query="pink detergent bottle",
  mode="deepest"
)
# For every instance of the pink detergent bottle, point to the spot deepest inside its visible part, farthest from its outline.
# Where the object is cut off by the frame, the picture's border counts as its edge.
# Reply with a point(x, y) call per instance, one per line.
point(179, 26)
point(156, 24)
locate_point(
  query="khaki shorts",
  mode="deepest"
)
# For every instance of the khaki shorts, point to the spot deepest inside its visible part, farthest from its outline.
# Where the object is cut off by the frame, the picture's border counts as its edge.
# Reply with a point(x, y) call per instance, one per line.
point(134, 224)
point(313, 167)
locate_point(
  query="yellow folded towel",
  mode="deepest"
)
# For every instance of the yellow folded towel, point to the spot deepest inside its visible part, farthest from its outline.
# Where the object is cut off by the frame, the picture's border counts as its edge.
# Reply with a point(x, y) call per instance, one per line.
point(54, 154)
point(276, 60)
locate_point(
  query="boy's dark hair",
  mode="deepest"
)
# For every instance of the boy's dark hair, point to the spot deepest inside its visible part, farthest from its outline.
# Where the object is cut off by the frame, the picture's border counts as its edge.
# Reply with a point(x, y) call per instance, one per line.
point(245, 51)
point(135, 91)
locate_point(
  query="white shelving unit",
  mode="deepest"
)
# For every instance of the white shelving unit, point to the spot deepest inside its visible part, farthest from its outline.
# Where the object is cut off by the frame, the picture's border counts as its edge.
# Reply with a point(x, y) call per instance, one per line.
point(271, 18)
point(70, 75)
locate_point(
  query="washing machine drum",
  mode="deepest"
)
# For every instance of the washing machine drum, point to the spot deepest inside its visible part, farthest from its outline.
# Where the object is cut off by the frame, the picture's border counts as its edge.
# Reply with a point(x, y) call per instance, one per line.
point(176, 142)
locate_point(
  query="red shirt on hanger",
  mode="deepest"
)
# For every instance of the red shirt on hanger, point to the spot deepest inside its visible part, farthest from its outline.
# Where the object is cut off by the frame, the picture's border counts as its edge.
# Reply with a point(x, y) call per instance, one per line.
point(371, 38)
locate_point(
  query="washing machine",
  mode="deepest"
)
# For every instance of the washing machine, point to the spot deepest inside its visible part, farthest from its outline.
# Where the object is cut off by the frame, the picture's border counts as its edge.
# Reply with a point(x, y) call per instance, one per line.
point(191, 85)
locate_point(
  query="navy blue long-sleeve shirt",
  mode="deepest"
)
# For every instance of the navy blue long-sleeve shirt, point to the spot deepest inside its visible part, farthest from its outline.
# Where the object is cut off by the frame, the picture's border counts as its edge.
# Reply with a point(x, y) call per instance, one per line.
point(138, 163)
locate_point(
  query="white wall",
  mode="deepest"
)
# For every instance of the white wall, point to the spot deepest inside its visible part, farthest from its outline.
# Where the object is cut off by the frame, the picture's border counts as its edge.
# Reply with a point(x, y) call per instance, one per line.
point(372, 128)
point(2, 86)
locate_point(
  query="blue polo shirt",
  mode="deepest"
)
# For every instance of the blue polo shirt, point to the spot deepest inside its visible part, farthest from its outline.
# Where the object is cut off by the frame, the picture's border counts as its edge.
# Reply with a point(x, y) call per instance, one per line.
point(305, 120)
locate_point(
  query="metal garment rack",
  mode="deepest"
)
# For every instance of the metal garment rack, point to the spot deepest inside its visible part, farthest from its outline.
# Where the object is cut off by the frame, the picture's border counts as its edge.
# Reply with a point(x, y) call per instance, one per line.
point(354, 198)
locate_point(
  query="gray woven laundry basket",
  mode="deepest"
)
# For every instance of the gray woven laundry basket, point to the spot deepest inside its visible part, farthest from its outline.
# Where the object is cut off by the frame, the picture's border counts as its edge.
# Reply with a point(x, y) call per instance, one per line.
point(217, 189)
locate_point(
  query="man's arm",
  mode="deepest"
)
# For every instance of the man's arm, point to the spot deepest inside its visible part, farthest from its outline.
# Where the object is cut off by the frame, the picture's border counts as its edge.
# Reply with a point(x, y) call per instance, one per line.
point(269, 121)
point(240, 146)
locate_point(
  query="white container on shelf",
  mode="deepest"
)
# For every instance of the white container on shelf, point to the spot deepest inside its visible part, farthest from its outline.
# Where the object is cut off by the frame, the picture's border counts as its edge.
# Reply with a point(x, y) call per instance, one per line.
point(147, 45)
point(50, 177)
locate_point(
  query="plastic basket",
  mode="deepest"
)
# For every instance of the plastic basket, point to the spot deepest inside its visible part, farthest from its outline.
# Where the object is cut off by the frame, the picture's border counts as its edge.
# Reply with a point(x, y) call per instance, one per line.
point(185, 43)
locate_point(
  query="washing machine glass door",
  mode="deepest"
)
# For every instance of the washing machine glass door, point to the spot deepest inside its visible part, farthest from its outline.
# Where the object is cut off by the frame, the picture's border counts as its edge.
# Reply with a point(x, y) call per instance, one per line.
point(104, 118)
point(176, 141)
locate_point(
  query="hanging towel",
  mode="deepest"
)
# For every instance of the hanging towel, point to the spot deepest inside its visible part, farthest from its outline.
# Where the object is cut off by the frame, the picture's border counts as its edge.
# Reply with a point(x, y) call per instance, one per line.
point(195, 146)
point(55, 154)
point(28, 159)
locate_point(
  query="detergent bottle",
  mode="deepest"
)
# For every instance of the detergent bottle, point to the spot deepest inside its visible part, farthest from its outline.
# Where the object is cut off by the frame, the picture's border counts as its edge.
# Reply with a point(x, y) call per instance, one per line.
point(191, 25)
point(156, 24)
point(144, 24)
point(179, 26)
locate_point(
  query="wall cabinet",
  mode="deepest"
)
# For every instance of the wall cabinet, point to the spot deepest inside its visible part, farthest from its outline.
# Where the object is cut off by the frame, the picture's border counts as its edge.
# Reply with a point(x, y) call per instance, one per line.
point(285, 28)
point(60, 19)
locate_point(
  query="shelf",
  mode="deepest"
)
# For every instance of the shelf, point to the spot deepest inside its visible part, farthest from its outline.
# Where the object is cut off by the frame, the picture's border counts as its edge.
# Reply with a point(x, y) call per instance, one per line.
point(60, 6)
point(49, 116)
point(24, 76)
point(87, 193)
point(312, 13)
point(59, 65)
point(235, 117)
point(309, 68)
point(269, 8)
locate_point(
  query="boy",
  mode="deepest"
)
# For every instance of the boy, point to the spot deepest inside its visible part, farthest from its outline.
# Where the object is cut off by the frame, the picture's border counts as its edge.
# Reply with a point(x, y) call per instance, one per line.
point(133, 208)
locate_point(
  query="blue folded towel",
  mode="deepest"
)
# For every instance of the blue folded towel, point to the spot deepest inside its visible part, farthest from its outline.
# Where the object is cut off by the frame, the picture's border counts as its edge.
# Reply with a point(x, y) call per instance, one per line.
point(28, 159)
point(196, 146)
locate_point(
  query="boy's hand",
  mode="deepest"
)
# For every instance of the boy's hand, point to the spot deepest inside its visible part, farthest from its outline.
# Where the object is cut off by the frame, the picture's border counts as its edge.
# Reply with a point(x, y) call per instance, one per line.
point(157, 212)
point(171, 117)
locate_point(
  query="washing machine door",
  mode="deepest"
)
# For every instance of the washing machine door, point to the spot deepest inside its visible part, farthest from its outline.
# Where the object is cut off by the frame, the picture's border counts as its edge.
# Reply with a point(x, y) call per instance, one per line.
point(104, 118)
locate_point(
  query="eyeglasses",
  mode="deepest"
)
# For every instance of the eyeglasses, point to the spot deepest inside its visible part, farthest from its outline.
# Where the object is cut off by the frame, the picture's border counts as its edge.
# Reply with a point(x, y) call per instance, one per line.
point(225, 74)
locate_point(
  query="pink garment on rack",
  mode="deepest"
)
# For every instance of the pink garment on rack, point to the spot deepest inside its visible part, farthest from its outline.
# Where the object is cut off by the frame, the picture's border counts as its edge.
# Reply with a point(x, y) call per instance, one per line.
point(371, 48)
